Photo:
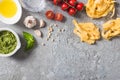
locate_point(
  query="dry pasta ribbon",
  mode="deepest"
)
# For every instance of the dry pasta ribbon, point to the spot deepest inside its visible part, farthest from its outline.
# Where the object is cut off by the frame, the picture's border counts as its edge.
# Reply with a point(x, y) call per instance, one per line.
point(100, 8)
point(111, 29)
point(87, 32)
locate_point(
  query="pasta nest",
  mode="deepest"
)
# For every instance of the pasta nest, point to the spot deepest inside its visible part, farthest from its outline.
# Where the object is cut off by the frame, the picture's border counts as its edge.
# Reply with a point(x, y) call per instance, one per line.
point(87, 32)
point(111, 29)
point(100, 8)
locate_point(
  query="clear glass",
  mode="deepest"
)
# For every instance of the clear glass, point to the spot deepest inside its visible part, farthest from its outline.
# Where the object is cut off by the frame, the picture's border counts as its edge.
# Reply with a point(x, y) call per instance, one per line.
point(33, 5)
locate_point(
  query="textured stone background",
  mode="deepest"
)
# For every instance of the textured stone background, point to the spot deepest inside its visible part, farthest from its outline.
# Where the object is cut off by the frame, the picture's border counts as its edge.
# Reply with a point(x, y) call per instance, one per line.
point(65, 59)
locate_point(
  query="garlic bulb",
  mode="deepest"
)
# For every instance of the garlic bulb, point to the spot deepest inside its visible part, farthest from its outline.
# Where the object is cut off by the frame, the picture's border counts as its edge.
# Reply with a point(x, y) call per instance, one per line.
point(30, 22)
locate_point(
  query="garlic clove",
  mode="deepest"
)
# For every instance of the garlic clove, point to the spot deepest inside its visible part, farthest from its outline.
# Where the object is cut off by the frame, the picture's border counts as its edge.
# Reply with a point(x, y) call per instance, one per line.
point(38, 33)
point(42, 23)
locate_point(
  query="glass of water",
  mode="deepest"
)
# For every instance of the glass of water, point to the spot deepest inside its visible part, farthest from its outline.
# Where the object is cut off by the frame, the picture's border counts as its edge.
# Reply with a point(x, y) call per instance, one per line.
point(33, 5)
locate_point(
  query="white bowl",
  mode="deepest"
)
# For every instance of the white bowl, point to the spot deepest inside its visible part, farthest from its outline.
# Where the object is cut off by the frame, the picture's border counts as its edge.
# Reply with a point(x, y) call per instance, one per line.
point(18, 43)
point(15, 18)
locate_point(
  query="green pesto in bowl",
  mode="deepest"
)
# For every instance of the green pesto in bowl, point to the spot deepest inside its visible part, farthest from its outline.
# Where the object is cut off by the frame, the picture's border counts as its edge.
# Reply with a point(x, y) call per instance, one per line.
point(8, 42)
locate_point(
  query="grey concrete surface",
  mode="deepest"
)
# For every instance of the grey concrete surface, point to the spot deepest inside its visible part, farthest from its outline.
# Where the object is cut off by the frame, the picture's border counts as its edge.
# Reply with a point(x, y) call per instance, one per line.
point(66, 58)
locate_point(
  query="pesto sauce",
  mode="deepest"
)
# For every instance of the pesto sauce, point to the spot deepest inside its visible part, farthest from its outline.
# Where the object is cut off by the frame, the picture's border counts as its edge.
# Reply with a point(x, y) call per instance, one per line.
point(8, 42)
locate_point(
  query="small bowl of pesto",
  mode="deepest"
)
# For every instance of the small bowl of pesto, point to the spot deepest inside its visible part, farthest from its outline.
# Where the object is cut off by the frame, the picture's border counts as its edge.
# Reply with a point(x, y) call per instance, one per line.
point(9, 42)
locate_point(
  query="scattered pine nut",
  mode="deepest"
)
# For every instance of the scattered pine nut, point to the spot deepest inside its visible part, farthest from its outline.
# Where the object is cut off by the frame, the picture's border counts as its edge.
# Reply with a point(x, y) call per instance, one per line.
point(55, 25)
point(53, 40)
point(50, 29)
point(43, 44)
point(63, 30)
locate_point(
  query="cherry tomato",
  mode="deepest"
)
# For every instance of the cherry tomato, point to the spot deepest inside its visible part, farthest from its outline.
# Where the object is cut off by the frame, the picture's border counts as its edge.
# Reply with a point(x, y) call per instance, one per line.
point(79, 6)
point(64, 6)
point(72, 11)
point(49, 14)
point(72, 2)
point(57, 1)
point(59, 17)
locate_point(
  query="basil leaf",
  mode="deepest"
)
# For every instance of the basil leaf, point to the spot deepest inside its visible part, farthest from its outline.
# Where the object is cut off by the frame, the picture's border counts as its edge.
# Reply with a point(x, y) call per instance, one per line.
point(29, 39)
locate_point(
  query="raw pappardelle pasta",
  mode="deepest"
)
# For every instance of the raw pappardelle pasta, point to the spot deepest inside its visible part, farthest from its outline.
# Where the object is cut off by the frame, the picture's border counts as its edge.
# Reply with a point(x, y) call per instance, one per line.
point(111, 29)
point(100, 8)
point(87, 32)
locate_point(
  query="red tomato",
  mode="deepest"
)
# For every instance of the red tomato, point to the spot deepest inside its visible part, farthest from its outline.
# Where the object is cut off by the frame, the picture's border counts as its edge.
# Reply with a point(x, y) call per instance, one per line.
point(64, 6)
point(79, 6)
point(72, 11)
point(56, 1)
point(59, 17)
point(72, 2)
point(49, 14)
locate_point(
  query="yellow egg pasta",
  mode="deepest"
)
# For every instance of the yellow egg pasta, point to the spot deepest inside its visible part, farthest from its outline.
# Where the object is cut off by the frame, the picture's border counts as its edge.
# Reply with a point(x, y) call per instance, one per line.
point(111, 29)
point(87, 32)
point(100, 8)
